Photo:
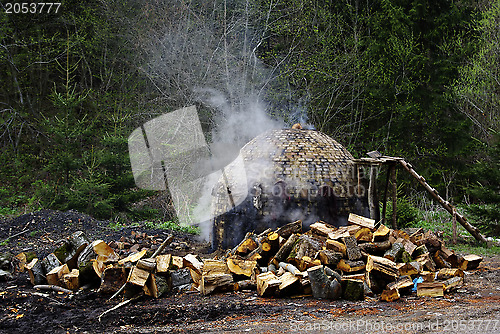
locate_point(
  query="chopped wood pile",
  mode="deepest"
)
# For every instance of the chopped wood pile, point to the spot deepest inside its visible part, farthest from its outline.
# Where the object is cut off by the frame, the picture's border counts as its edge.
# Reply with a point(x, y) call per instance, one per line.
point(349, 262)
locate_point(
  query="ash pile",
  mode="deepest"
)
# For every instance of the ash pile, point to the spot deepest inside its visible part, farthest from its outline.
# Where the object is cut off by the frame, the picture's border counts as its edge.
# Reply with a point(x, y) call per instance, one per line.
point(351, 262)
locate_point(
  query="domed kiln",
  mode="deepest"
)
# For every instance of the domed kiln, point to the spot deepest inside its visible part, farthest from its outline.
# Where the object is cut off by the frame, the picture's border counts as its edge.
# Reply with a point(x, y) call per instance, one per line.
point(282, 176)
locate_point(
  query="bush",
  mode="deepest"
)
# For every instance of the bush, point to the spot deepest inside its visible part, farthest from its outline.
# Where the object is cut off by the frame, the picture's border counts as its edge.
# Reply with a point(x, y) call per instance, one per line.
point(405, 211)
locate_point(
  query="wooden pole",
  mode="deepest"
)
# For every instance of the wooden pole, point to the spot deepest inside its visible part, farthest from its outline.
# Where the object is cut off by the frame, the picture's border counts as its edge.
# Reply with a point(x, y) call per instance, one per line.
point(372, 195)
point(384, 207)
point(445, 204)
point(454, 225)
point(394, 197)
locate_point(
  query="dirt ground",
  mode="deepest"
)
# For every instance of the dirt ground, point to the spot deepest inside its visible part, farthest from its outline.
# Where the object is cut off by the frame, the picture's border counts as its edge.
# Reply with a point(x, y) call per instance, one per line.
point(475, 308)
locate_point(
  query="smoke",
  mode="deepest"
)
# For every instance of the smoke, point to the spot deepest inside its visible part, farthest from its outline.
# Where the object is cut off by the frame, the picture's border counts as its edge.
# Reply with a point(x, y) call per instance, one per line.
point(204, 53)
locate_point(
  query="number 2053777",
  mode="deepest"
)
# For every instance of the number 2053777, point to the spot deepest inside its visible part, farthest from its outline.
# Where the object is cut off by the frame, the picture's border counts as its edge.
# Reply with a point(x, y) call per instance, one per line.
point(31, 7)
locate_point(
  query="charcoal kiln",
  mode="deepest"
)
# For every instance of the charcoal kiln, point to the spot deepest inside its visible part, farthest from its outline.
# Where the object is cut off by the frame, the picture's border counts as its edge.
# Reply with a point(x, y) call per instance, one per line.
point(285, 175)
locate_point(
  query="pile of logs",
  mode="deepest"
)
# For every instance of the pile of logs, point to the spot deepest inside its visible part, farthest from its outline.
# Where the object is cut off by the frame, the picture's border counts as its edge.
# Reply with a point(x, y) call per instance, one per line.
point(348, 262)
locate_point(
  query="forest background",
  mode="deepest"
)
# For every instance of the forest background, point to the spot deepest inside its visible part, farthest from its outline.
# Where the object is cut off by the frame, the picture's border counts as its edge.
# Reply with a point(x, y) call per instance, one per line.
point(418, 79)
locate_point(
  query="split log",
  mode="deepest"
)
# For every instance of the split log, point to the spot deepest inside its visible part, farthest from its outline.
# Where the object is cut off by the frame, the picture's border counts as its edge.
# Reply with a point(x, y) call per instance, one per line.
point(382, 265)
point(270, 246)
point(193, 262)
point(417, 237)
point(440, 261)
point(374, 282)
point(196, 278)
point(214, 267)
point(69, 251)
point(138, 276)
point(285, 250)
point(304, 250)
point(381, 234)
point(267, 284)
point(289, 283)
point(180, 277)
point(361, 221)
point(453, 283)
point(447, 273)
point(177, 262)
point(353, 251)
point(430, 289)
point(410, 269)
point(287, 230)
point(245, 285)
point(290, 268)
point(50, 262)
point(420, 250)
point(71, 280)
point(409, 246)
point(341, 232)
point(390, 295)
point(394, 254)
point(247, 245)
point(164, 263)
point(329, 258)
point(241, 267)
point(375, 248)
point(360, 276)
point(35, 272)
point(348, 266)
point(112, 279)
point(428, 276)
point(403, 284)
point(426, 262)
point(322, 286)
point(321, 229)
point(104, 252)
point(133, 258)
point(336, 246)
point(353, 289)
point(54, 277)
point(364, 235)
point(148, 264)
point(156, 286)
point(470, 262)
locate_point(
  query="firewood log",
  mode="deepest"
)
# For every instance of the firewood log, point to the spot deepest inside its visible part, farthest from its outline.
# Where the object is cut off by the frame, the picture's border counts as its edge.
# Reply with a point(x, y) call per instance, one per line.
point(381, 234)
point(71, 248)
point(164, 263)
point(113, 279)
point(304, 247)
point(447, 273)
point(353, 251)
point(470, 262)
point(321, 229)
point(453, 283)
point(440, 261)
point(390, 295)
point(290, 268)
point(285, 249)
point(267, 284)
point(430, 289)
point(329, 258)
point(71, 280)
point(247, 245)
point(245, 285)
point(353, 289)
point(148, 264)
point(290, 284)
point(382, 265)
point(403, 284)
point(241, 267)
point(156, 286)
point(410, 269)
point(336, 247)
point(35, 272)
point(322, 286)
point(287, 230)
point(375, 248)
point(50, 262)
point(348, 266)
point(193, 262)
point(132, 258)
point(177, 262)
point(364, 235)
point(426, 262)
point(361, 221)
point(420, 250)
point(138, 276)
point(180, 277)
point(216, 282)
point(54, 277)
point(394, 254)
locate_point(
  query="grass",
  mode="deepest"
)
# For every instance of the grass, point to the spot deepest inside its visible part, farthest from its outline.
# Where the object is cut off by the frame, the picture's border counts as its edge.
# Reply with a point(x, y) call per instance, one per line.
point(173, 226)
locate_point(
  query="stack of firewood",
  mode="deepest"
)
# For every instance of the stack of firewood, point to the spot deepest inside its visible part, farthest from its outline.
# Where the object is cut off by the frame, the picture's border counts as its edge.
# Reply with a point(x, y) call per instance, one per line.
point(348, 262)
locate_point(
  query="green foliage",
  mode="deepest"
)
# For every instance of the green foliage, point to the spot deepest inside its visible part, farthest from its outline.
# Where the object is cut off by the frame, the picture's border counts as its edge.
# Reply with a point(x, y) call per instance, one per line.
point(406, 213)
point(173, 226)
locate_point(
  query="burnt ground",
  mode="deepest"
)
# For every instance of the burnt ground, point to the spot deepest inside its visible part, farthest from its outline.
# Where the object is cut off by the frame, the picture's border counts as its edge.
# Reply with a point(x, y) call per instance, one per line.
point(474, 308)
